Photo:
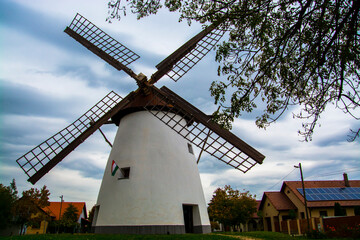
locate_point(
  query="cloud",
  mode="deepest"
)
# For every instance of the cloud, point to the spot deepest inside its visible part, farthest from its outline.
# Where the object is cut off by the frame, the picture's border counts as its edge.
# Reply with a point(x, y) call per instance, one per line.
point(74, 187)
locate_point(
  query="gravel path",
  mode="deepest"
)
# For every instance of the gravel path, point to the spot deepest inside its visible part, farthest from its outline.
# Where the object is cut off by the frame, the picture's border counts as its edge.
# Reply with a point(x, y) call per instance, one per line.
point(241, 237)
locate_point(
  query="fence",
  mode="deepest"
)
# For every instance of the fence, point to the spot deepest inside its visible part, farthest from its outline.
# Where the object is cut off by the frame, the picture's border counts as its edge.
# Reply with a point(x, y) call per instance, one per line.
point(332, 226)
point(342, 226)
point(299, 226)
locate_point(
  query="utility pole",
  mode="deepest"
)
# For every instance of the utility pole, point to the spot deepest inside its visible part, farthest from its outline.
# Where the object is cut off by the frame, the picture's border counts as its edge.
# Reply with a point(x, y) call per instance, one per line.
point(303, 188)
point(61, 197)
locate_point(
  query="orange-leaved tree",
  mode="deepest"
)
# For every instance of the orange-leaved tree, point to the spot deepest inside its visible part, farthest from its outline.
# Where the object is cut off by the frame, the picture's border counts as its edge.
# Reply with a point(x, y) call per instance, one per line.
point(231, 207)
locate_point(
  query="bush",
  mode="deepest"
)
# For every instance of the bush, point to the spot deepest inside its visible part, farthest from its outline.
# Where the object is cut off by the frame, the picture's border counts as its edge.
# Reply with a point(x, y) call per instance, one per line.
point(214, 226)
point(315, 234)
point(354, 232)
point(344, 231)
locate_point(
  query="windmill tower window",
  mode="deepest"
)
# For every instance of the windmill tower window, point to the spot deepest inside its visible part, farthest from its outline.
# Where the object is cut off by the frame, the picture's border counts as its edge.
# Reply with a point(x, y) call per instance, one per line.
point(190, 148)
point(124, 173)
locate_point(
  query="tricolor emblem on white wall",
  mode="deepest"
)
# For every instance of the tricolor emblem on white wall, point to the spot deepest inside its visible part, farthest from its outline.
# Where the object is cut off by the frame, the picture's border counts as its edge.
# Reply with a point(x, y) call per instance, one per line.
point(114, 168)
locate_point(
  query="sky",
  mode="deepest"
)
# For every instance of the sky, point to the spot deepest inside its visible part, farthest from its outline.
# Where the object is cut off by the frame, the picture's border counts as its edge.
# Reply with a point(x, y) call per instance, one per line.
point(48, 80)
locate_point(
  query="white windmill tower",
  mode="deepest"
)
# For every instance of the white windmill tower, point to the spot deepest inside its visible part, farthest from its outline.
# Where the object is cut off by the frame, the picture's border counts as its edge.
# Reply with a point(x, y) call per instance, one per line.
point(151, 182)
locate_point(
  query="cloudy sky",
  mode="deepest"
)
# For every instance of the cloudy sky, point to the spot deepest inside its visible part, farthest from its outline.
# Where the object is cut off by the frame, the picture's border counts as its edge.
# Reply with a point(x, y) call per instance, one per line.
point(47, 80)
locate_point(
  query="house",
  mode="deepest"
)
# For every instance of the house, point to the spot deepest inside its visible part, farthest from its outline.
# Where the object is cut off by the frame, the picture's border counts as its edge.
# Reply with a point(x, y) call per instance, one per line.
point(55, 208)
point(39, 224)
point(289, 203)
point(29, 218)
point(52, 212)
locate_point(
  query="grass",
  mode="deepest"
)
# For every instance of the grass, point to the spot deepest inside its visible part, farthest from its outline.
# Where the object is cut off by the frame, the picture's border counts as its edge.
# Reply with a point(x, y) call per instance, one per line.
point(271, 236)
point(117, 237)
point(213, 236)
point(265, 235)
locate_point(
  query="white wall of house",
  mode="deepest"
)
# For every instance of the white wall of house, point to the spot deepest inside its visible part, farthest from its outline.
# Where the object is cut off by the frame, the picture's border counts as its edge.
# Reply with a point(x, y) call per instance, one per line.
point(82, 215)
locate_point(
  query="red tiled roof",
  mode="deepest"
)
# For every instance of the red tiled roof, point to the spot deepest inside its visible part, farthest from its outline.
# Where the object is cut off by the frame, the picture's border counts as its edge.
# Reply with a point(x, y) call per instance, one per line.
point(294, 185)
point(54, 208)
point(279, 200)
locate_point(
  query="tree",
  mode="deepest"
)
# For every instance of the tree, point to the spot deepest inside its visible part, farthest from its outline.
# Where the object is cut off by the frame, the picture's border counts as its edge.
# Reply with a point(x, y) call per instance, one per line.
point(230, 207)
point(26, 209)
point(357, 210)
point(284, 53)
point(69, 219)
point(8, 196)
point(338, 210)
point(292, 214)
point(71, 213)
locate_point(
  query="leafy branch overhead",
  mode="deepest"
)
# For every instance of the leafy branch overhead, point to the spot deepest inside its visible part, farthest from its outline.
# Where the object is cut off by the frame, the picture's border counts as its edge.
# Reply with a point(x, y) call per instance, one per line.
point(285, 53)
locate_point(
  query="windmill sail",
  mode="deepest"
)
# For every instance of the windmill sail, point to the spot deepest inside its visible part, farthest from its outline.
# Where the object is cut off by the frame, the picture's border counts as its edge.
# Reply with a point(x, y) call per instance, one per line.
point(117, 55)
point(41, 159)
point(203, 132)
point(100, 43)
point(182, 60)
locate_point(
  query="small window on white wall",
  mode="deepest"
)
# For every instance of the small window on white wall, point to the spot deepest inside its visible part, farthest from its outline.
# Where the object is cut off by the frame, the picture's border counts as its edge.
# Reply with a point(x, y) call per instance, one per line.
point(190, 148)
point(124, 173)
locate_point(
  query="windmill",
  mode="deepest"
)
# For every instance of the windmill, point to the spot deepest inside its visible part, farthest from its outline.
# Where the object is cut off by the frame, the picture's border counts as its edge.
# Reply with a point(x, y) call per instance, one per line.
point(151, 182)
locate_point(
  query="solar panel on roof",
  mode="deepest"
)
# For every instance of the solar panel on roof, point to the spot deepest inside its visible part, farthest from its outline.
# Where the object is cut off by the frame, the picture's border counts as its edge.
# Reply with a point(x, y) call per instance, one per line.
point(331, 194)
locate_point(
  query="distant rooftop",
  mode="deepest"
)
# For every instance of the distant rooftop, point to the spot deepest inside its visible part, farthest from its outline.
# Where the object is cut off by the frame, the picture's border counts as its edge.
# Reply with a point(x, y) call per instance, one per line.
point(54, 208)
point(322, 188)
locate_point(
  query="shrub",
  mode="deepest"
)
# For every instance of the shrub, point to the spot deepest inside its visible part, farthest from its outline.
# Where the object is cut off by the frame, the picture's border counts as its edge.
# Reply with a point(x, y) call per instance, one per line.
point(315, 234)
point(344, 231)
point(214, 226)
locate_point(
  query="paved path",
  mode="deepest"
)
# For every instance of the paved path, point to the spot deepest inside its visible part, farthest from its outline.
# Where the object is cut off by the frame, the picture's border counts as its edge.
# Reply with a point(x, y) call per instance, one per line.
point(241, 237)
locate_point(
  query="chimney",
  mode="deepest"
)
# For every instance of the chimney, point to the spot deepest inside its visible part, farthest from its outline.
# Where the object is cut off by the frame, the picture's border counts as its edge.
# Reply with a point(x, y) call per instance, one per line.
point(346, 180)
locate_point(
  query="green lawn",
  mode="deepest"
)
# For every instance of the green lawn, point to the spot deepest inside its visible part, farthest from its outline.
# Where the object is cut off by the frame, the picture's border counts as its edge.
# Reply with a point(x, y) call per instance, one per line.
point(213, 236)
point(266, 235)
point(117, 237)
point(271, 235)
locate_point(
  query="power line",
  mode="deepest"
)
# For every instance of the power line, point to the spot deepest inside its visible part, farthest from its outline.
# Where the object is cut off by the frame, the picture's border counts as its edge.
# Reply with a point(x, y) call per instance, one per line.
point(281, 179)
point(319, 175)
point(335, 172)
point(342, 170)
point(327, 175)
